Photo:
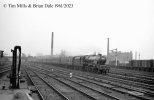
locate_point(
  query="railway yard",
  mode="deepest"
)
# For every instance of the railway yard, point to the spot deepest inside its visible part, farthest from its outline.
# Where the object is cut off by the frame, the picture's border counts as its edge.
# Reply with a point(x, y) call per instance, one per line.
point(86, 77)
point(87, 50)
point(50, 82)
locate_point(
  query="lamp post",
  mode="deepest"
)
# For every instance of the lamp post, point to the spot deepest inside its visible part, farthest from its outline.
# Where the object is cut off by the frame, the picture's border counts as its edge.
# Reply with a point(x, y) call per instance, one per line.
point(115, 55)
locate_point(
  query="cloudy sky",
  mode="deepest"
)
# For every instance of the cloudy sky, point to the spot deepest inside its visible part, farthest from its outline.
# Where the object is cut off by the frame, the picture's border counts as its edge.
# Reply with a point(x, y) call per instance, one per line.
point(82, 29)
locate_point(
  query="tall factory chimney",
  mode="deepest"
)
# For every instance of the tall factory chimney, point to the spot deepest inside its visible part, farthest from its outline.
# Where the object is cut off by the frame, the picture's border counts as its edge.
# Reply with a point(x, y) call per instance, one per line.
point(108, 48)
point(52, 44)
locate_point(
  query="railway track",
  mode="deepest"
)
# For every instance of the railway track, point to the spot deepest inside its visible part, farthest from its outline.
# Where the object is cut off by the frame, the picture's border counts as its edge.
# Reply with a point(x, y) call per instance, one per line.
point(146, 79)
point(94, 94)
point(141, 79)
point(72, 91)
point(130, 85)
point(142, 75)
point(112, 90)
point(128, 81)
point(137, 82)
point(46, 90)
point(5, 69)
point(122, 90)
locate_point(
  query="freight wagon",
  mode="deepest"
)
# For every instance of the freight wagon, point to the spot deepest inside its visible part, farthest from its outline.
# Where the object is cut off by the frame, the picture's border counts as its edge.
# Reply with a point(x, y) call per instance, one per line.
point(144, 65)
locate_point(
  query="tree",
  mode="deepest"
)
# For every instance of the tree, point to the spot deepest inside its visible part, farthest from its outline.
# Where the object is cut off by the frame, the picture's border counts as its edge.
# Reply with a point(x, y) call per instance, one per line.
point(63, 53)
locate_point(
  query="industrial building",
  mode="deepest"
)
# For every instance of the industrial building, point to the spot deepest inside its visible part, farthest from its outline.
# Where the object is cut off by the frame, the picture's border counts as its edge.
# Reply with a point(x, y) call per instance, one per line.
point(122, 57)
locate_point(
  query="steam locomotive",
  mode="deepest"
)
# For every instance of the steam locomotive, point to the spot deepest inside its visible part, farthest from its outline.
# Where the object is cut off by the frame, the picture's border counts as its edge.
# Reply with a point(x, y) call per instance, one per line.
point(89, 63)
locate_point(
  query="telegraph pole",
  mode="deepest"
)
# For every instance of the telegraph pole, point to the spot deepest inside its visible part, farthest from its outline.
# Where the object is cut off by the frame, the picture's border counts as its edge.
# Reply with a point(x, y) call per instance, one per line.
point(115, 55)
point(108, 49)
point(52, 43)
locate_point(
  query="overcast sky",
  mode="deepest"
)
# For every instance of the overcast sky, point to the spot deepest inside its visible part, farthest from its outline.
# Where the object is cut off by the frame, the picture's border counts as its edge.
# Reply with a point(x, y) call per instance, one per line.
point(82, 29)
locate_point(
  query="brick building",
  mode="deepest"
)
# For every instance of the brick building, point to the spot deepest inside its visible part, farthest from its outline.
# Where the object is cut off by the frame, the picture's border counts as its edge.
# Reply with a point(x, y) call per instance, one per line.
point(122, 57)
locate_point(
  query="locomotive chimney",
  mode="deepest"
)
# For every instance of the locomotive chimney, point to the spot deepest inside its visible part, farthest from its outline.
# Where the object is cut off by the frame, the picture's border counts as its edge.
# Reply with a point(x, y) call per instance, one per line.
point(52, 44)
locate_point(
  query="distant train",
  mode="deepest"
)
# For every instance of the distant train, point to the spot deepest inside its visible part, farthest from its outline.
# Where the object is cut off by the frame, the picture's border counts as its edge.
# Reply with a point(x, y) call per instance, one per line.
point(89, 63)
